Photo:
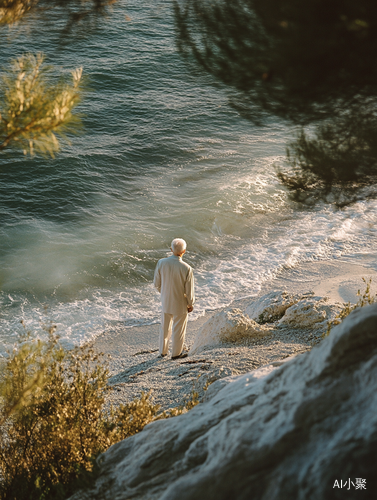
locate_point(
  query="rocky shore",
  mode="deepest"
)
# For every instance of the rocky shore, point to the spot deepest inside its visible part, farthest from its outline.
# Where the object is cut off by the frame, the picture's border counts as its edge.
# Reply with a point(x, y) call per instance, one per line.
point(288, 415)
point(294, 310)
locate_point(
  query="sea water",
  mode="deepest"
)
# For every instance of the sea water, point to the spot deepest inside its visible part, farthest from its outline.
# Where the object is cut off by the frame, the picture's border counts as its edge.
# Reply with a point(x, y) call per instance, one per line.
point(162, 155)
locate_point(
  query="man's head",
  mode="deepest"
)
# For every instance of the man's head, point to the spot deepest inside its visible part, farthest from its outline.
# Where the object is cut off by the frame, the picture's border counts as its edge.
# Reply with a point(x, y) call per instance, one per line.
point(178, 247)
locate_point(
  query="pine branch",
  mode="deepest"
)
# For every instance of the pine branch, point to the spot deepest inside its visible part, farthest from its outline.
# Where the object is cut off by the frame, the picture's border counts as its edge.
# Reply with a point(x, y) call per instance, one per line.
point(37, 109)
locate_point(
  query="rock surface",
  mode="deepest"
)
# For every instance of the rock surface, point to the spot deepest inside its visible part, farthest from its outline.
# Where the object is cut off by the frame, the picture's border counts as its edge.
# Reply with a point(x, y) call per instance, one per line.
point(272, 306)
point(227, 326)
point(309, 311)
point(293, 310)
point(286, 432)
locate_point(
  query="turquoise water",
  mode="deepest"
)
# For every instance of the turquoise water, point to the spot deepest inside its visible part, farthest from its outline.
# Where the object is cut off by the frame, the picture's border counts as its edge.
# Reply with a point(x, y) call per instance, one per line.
point(162, 155)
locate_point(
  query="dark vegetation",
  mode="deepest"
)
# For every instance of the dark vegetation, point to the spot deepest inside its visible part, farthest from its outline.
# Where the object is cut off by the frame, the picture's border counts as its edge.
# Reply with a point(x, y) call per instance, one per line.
point(311, 63)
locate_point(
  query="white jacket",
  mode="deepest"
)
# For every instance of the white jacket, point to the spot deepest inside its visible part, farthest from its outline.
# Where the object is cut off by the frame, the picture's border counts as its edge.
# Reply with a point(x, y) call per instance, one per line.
point(174, 279)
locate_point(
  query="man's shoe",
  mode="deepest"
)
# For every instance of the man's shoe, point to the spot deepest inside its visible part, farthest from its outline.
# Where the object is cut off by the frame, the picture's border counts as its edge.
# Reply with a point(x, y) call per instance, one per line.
point(183, 354)
point(162, 356)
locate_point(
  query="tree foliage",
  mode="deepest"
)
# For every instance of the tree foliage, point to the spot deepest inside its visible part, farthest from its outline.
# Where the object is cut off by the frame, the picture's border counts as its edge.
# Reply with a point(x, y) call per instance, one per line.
point(297, 60)
point(307, 63)
point(337, 162)
point(35, 107)
point(14, 11)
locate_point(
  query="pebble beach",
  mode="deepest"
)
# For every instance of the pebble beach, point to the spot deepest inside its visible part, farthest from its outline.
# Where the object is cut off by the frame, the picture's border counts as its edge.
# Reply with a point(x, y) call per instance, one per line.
point(135, 367)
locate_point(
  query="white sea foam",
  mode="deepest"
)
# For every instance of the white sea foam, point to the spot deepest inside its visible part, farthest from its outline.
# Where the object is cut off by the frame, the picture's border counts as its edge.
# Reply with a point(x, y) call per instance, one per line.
point(241, 271)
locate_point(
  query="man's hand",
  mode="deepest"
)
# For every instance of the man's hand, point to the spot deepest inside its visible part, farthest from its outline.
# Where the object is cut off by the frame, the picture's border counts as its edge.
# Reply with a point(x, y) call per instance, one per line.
point(190, 308)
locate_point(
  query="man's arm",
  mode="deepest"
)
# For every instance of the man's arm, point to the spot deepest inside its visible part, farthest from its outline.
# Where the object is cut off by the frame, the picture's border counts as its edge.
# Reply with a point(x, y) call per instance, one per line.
point(190, 290)
point(157, 277)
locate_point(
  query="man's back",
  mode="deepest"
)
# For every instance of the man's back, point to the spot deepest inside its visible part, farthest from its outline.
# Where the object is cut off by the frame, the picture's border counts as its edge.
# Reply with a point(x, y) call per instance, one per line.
point(174, 279)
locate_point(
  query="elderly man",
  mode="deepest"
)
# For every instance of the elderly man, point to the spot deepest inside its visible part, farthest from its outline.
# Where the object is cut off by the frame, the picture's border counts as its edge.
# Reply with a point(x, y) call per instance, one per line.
point(174, 279)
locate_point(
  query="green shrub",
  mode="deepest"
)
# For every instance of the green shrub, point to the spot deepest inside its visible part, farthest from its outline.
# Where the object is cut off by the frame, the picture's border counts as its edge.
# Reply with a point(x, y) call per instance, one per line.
point(365, 299)
point(53, 419)
point(131, 418)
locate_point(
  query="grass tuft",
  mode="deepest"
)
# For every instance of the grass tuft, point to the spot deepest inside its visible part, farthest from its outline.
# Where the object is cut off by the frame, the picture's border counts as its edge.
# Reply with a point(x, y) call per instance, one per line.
point(364, 299)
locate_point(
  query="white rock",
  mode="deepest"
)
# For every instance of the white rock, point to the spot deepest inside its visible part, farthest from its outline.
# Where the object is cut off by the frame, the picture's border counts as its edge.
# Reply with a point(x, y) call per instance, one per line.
point(272, 306)
point(308, 312)
point(252, 377)
point(287, 433)
point(204, 384)
point(228, 325)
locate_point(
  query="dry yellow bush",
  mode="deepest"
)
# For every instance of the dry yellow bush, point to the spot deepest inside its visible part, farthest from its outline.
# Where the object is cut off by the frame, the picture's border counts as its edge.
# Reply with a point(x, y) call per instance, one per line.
point(52, 420)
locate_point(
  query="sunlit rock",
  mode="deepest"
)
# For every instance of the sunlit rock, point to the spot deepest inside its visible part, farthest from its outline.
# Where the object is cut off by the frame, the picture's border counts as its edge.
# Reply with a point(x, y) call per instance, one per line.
point(272, 306)
point(309, 312)
point(228, 325)
point(291, 432)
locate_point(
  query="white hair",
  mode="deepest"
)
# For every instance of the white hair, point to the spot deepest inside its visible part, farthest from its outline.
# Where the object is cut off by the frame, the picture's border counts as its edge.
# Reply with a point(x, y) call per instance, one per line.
point(178, 245)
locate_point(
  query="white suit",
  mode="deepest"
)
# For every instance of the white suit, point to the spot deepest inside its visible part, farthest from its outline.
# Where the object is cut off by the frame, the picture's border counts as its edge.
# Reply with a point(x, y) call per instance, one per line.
point(175, 280)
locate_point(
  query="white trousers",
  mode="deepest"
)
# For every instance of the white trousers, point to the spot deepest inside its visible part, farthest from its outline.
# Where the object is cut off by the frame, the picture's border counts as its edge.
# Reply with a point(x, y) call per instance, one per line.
point(176, 325)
